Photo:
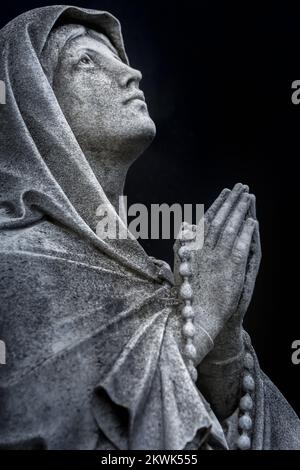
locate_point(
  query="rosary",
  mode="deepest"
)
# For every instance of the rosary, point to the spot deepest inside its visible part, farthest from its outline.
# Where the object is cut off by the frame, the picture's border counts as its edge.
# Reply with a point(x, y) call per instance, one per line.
point(245, 423)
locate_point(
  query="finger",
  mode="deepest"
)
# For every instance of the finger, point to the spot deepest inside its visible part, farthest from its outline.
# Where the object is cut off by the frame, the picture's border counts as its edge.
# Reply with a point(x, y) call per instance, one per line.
point(254, 257)
point(251, 272)
point(211, 212)
point(222, 214)
point(242, 245)
point(234, 224)
point(256, 247)
point(252, 207)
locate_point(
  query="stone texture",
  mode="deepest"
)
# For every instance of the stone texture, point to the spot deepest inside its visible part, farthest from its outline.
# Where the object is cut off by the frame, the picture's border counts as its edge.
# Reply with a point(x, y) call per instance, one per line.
point(94, 356)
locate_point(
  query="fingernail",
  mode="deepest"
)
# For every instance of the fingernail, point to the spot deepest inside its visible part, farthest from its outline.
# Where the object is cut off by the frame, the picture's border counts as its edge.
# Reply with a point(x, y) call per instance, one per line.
point(225, 191)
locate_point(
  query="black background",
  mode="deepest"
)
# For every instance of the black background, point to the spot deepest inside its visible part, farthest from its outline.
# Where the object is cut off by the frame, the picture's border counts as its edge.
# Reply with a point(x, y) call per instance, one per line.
point(217, 77)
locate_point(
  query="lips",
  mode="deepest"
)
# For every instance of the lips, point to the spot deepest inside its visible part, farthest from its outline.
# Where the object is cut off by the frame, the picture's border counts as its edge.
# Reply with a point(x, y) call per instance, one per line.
point(139, 95)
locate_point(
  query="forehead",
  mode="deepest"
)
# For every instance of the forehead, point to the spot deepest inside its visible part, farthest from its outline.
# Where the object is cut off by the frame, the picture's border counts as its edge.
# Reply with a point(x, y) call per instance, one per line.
point(87, 37)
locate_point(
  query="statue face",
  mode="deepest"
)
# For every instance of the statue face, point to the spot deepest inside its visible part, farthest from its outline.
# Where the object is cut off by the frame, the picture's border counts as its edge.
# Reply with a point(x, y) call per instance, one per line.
point(100, 96)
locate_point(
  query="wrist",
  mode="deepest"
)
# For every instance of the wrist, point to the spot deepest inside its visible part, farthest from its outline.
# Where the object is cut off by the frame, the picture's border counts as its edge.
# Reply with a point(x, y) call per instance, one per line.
point(220, 368)
point(228, 344)
point(204, 343)
point(207, 326)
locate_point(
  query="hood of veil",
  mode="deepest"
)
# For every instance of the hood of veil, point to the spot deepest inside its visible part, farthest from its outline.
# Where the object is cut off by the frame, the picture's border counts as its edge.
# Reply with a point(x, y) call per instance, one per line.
point(43, 171)
point(129, 357)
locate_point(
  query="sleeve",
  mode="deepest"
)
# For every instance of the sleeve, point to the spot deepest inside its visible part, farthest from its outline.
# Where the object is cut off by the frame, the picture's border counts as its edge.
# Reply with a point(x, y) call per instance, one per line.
point(275, 424)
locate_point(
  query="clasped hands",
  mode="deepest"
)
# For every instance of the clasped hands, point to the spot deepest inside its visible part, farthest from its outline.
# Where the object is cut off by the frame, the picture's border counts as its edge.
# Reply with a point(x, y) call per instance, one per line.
point(225, 268)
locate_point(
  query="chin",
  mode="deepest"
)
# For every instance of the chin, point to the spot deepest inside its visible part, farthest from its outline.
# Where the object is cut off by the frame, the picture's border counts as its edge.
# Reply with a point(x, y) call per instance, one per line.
point(140, 132)
point(147, 128)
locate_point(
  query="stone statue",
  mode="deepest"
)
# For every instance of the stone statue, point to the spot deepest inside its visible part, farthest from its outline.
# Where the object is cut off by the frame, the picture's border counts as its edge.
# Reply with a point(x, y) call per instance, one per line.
point(105, 347)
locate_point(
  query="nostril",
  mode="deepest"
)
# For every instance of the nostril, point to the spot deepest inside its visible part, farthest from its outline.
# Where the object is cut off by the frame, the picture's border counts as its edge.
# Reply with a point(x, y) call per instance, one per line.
point(131, 76)
point(138, 75)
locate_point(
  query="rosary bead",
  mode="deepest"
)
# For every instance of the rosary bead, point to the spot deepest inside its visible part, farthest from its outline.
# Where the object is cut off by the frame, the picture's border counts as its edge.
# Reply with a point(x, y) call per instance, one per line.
point(190, 351)
point(187, 235)
point(186, 291)
point(246, 403)
point(248, 383)
point(192, 371)
point(248, 361)
point(244, 442)
point(188, 329)
point(184, 253)
point(245, 422)
point(185, 269)
point(188, 312)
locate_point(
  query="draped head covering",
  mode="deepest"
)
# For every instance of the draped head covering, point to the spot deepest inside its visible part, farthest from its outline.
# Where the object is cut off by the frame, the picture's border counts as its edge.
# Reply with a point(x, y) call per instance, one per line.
point(93, 355)
point(33, 125)
point(57, 40)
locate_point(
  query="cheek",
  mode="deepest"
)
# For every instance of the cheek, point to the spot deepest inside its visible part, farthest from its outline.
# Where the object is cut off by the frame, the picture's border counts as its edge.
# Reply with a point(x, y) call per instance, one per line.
point(96, 90)
point(86, 89)
point(90, 99)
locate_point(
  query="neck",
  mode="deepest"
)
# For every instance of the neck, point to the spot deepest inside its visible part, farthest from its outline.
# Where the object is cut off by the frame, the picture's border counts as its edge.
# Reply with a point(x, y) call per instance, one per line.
point(110, 168)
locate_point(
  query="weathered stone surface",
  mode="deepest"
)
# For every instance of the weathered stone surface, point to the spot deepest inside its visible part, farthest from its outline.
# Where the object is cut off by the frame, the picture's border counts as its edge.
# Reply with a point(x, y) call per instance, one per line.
point(94, 346)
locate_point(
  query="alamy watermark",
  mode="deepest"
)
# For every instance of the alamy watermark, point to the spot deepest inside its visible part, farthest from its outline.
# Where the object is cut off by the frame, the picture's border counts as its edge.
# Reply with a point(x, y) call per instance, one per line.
point(2, 353)
point(295, 97)
point(162, 221)
point(296, 354)
point(2, 92)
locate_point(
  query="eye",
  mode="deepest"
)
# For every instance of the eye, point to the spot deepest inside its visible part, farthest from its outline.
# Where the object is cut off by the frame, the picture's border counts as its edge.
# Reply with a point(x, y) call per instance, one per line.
point(85, 60)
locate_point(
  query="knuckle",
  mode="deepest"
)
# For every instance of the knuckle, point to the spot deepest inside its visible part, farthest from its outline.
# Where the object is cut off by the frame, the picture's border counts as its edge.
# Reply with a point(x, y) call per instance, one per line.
point(229, 231)
point(241, 246)
point(215, 224)
point(227, 204)
point(237, 257)
point(242, 207)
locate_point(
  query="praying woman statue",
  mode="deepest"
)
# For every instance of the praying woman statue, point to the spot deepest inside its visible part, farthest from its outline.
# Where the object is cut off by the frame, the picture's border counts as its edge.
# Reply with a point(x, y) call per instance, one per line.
point(106, 347)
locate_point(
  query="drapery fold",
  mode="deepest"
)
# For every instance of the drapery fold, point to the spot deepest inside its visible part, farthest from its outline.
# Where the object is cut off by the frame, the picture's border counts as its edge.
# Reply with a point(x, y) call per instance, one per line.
point(276, 425)
point(92, 346)
point(92, 351)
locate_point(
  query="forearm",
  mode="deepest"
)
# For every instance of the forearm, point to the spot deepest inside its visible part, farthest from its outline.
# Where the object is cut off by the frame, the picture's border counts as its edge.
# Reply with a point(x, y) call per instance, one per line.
point(220, 372)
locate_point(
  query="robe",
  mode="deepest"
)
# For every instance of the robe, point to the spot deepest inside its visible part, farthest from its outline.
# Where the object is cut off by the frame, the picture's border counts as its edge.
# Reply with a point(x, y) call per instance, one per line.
point(93, 354)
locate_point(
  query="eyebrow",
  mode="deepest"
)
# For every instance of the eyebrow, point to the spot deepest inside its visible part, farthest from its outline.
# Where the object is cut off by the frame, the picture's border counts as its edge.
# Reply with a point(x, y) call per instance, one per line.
point(77, 34)
point(95, 35)
point(103, 38)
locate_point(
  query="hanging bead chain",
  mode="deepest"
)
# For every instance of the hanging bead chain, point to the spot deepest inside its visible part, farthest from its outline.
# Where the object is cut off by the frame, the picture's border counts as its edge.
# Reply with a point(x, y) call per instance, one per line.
point(245, 423)
point(246, 405)
point(187, 312)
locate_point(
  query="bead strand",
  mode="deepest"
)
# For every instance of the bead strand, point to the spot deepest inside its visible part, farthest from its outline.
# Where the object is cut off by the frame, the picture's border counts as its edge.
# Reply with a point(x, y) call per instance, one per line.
point(188, 314)
point(246, 405)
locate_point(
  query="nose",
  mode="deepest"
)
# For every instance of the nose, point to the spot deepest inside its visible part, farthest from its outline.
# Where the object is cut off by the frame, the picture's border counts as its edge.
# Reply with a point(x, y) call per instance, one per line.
point(130, 77)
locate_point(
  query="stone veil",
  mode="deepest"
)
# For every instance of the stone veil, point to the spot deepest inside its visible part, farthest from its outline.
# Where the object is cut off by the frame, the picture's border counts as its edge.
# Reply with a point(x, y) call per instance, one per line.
point(93, 360)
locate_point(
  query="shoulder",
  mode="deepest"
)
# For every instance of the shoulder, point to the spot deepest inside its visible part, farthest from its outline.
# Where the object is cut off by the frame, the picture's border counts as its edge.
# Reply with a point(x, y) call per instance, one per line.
point(29, 256)
point(45, 238)
point(40, 236)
